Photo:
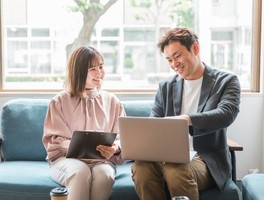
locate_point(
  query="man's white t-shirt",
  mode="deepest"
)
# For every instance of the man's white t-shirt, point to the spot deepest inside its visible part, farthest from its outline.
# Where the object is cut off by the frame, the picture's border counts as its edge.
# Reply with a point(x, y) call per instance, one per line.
point(190, 99)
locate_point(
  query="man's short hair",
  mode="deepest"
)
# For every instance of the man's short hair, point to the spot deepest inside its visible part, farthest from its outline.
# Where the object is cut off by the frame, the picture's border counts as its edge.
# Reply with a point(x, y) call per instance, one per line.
point(183, 35)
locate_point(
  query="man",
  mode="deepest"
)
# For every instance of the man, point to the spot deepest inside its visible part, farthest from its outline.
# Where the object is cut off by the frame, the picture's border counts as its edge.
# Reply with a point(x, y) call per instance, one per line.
point(209, 100)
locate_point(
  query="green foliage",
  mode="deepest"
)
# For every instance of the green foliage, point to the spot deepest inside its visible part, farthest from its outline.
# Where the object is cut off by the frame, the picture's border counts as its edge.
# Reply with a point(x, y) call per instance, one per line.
point(83, 6)
point(143, 3)
point(183, 11)
point(96, 6)
point(128, 63)
point(179, 11)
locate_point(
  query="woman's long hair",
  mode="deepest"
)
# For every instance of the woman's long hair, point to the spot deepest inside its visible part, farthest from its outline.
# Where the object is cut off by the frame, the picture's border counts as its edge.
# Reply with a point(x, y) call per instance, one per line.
point(79, 63)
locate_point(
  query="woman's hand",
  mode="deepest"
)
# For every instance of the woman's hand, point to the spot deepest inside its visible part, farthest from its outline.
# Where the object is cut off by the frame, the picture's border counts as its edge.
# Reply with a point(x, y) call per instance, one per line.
point(107, 151)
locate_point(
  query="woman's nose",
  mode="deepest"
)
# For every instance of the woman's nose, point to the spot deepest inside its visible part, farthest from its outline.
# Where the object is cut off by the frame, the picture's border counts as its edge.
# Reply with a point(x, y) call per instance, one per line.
point(98, 70)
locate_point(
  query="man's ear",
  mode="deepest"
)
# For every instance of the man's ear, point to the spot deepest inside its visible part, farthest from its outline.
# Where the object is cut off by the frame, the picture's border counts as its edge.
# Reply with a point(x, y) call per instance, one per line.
point(196, 48)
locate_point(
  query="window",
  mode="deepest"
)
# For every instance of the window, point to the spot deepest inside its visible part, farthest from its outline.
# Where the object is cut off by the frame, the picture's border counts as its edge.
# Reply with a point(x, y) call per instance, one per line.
point(38, 35)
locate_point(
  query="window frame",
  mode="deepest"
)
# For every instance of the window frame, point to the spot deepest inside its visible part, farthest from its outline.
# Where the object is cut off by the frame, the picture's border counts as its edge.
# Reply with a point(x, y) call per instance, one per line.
point(256, 62)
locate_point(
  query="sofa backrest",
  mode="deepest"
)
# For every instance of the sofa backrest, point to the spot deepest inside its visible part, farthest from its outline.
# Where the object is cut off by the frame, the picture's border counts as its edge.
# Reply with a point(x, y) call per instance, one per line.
point(22, 123)
point(22, 129)
point(138, 108)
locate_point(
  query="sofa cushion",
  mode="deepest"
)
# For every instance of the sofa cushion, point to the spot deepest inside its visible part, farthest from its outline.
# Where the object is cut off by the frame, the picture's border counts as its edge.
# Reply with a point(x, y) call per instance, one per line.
point(30, 180)
point(230, 192)
point(253, 187)
point(124, 186)
point(25, 180)
point(22, 129)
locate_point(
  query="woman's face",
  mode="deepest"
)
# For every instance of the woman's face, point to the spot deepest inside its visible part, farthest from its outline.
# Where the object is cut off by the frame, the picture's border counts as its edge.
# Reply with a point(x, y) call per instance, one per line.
point(95, 75)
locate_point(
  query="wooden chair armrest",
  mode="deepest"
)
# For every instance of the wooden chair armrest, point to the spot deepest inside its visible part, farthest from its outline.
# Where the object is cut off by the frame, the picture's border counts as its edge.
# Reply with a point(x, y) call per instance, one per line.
point(233, 146)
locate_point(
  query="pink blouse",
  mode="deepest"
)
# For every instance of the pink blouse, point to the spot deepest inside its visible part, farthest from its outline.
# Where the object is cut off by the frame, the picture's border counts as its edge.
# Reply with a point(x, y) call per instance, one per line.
point(99, 111)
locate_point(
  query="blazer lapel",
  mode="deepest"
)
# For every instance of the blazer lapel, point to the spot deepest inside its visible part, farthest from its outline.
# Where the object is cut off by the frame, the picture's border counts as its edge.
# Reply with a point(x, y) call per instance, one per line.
point(207, 85)
point(177, 92)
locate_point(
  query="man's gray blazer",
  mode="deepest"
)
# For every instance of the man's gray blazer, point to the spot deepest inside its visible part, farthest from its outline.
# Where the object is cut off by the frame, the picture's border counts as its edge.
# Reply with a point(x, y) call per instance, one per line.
point(218, 108)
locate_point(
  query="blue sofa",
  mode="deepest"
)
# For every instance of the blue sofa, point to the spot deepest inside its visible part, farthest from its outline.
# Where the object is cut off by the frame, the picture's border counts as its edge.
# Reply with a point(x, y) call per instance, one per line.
point(253, 187)
point(24, 173)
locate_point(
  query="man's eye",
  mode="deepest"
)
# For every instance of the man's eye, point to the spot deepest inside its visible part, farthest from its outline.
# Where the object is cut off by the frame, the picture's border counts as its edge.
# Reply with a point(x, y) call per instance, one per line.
point(177, 56)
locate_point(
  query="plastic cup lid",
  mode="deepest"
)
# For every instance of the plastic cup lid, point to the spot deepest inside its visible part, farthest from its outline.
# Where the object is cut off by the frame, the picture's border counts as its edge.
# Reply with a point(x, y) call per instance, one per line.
point(180, 197)
point(59, 191)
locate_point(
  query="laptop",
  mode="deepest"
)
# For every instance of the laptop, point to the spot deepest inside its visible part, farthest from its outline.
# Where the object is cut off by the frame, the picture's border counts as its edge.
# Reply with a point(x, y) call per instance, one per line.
point(83, 144)
point(155, 139)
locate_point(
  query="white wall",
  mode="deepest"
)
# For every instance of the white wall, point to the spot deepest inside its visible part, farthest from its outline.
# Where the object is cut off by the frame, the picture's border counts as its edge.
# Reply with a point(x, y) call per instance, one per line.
point(247, 130)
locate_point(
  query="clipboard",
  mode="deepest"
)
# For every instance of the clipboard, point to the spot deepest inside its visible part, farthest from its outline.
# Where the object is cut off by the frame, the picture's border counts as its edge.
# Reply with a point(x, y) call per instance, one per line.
point(83, 144)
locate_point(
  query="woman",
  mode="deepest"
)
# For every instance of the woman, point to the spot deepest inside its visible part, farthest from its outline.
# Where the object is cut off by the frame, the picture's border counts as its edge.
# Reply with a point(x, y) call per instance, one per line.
point(83, 106)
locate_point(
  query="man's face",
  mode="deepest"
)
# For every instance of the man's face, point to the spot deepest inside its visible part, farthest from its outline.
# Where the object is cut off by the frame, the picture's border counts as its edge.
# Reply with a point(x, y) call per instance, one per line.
point(185, 63)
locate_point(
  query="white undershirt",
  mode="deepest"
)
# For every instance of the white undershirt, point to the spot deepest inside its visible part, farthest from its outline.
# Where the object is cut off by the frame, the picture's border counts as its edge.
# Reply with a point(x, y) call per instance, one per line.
point(190, 99)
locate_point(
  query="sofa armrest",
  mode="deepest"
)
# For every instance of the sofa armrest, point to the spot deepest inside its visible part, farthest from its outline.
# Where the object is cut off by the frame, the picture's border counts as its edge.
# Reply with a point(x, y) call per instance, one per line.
point(0, 147)
point(233, 146)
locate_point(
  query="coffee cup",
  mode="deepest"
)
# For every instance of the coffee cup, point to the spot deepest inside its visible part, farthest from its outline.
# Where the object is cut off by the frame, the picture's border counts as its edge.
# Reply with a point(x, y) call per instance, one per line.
point(59, 193)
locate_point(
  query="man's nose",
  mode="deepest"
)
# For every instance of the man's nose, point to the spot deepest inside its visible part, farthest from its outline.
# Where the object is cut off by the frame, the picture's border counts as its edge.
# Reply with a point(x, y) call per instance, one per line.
point(175, 63)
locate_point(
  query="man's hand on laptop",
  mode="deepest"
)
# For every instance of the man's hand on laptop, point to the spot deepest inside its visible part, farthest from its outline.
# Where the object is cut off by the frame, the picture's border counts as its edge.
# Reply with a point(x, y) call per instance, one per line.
point(186, 117)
